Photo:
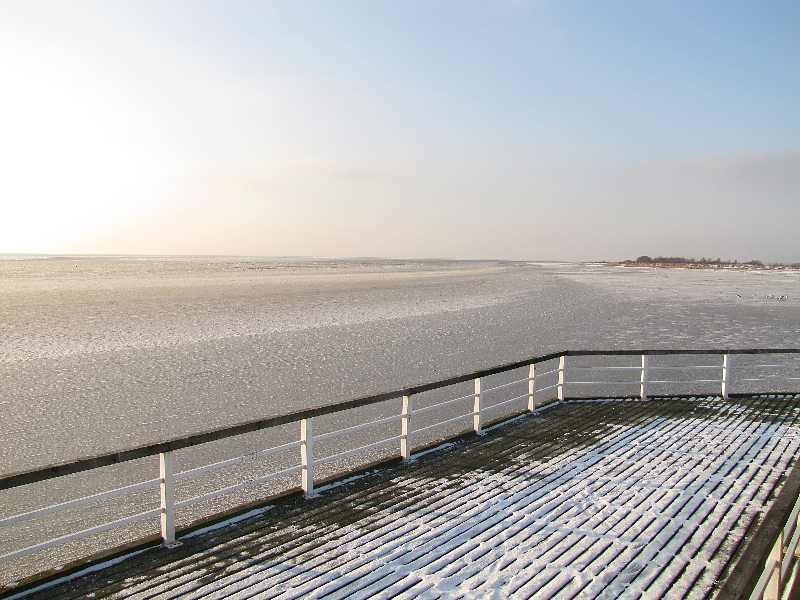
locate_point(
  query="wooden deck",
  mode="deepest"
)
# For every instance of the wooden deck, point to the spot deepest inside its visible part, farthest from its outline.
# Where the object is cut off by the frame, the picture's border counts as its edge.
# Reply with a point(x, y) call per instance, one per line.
point(592, 499)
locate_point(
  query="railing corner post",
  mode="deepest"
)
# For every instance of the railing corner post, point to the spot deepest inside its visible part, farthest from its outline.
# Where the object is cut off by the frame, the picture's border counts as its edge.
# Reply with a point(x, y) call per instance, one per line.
point(307, 456)
point(167, 493)
point(405, 431)
point(476, 411)
point(561, 369)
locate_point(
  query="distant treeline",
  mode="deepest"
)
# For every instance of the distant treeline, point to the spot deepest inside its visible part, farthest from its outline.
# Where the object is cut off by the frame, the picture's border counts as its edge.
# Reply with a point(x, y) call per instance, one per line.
point(680, 260)
point(711, 262)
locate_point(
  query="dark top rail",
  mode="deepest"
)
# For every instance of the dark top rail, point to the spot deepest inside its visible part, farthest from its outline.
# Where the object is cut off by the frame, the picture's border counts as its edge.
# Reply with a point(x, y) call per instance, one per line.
point(668, 352)
point(13, 480)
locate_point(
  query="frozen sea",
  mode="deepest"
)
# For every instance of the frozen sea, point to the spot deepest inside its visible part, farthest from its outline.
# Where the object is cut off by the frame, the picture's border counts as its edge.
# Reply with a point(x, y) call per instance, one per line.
point(99, 354)
point(103, 354)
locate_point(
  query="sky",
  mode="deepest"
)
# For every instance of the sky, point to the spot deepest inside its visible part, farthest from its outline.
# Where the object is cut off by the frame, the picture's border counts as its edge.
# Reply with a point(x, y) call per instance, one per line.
point(505, 129)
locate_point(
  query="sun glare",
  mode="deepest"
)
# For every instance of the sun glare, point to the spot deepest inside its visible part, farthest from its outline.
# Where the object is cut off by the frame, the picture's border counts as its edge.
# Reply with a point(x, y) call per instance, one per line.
point(72, 160)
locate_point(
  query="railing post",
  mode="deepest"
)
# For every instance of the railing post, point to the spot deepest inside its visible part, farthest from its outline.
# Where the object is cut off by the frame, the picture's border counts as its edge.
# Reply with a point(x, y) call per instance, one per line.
point(645, 379)
point(307, 456)
point(476, 410)
point(405, 431)
point(775, 558)
point(532, 387)
point(561, 362)
point(165, 474)
point(726, 376)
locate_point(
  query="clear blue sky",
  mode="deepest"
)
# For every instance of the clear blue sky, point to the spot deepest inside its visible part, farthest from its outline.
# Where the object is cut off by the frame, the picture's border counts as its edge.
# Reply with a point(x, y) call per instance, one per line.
point(509, 129)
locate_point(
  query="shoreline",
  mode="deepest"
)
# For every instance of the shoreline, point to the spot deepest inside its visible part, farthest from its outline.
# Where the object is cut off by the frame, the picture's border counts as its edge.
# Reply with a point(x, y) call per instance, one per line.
point(703, 266)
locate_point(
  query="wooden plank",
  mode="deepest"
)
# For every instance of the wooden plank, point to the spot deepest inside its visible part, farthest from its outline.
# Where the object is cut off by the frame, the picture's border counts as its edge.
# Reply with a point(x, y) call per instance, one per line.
point(557, 503)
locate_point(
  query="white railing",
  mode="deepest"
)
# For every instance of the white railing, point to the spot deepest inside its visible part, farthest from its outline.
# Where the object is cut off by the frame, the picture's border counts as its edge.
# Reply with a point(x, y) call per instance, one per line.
point(780, 561)
point(545, 380)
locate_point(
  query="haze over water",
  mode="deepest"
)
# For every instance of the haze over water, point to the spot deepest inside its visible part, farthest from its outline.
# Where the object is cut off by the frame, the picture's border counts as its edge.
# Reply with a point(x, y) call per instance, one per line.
point(98, 354)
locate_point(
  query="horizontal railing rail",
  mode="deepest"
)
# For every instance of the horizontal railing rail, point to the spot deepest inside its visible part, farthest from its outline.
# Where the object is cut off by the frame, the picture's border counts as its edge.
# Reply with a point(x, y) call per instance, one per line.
point(528, 393)
point(112, 458)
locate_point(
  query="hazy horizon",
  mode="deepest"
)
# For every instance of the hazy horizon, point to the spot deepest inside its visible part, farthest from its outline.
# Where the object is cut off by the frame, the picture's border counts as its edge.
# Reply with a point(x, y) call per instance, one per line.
point(256, 257)
point(510, 129)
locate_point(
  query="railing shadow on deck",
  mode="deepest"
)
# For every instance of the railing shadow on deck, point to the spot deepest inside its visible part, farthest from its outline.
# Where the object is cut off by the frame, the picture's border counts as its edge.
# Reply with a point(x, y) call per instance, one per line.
point(388, 426)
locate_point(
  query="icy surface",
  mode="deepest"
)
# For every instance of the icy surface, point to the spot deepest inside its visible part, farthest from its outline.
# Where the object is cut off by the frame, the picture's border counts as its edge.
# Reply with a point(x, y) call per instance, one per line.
point(97, 355)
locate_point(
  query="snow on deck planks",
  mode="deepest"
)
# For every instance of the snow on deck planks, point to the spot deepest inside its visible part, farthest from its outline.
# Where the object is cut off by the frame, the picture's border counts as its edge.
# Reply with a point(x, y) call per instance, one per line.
point(597, 499)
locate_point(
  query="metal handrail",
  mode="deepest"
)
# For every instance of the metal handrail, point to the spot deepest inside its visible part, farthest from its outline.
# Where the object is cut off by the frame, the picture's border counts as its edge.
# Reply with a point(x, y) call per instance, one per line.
point(616, 368)
point(682, 367)
point(80, 534)
point(430, 407)
point(340, 432)
point(505, 385)
point(115, 493)
point(84, 464)
point(440, 423)
point(630, 382)
point(165, 449)
point(236, 460)
point(546, 373)
point(353, 451)
point(762, 570)
point(238, 486)
point(93, 462)
point(504, 402)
